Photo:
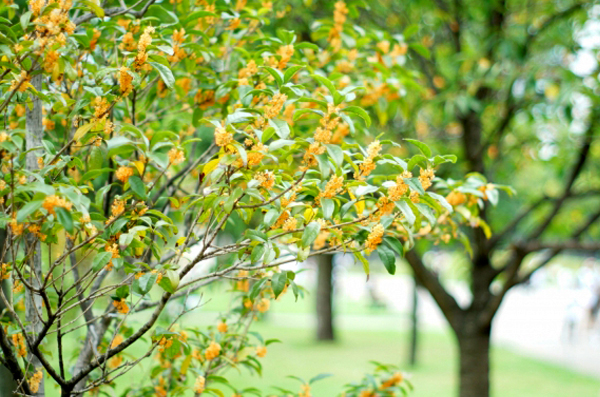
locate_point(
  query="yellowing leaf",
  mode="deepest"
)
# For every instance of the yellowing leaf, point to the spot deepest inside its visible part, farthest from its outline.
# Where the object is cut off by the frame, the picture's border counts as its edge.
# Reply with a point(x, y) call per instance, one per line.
point(140, 166)
point(186, 364)
point(308, 214)
point(81, 131)
point(360, 205)
point(210, 166)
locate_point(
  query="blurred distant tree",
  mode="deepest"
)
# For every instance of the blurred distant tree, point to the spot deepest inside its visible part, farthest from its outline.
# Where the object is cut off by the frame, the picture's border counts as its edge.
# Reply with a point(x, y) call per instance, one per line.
point(325, 327)
point(496, 86)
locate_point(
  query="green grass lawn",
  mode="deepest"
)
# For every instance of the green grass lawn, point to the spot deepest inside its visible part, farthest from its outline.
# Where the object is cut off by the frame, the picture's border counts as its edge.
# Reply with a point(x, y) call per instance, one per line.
point(435, 375)
point(368, 334)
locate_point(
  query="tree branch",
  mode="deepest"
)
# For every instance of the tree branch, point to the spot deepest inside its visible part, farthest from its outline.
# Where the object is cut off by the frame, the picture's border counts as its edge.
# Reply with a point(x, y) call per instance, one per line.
point(445, 301)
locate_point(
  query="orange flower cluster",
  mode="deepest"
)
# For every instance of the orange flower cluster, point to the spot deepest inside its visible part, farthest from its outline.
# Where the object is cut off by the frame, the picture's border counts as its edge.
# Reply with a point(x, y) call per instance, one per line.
point(339, 18)
point(114, 249)
point(290, 224)
point(425, 177)
point(328, 124)
point(123, 173)
point(375, 237)
point(35, 380)
point(261, 351)
point(212, 351)
point(178, 52)
point(222, 327)
point(455, 198)
point(274, 106)
point(223, 137)
point(5, 271)
point(396, 379)
point(400, 188)
point(314, 149)
point(145, 41)
point(125, 80)
point(305, 391)
point(121, 306)
point(368, 165)
point(50, 202)
point(19, 341)
point(334, 186)
point(101, 107)
point(266, 179)
point(51, 26)
point(176, 156)
point(246, 72)
point(285, 52)
point(199, 384)
point(20, 84)
point(243, 284)
point(263, 305)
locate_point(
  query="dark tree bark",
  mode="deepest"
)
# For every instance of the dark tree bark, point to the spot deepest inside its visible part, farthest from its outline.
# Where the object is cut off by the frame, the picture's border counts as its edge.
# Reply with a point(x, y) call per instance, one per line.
point(7, 382)
point(325, 329)
point(474, 357)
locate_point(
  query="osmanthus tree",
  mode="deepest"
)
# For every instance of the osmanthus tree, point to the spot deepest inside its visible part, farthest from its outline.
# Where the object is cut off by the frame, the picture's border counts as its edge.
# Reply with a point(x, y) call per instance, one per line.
point(134, 134)
point(500, 92)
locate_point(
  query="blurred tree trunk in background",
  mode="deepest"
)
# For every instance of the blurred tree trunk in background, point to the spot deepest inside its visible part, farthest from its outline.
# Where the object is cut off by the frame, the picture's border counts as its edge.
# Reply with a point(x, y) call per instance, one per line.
point(325, 329)
point(414, 324)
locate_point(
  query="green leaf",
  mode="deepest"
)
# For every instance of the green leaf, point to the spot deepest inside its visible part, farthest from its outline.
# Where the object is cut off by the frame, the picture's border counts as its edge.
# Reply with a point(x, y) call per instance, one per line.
point(94, 174)
point(25, 20)
point(257, 253)
point(442, 200)
point(310, 233)
point(407, 211)
point(336, 153)
point(364, 262)
point(422, 147)
point(256, 235)
point(326, 82)
point(28, 209)
point(290, 73)
point(100, 260)
point(388, 258)
point(281, 128)
point(65, 219)
point(165, 283)
point(276, 75)
point(319, 377)
point(138, 187)
point(270, 217)
point(394, 244)
point(94, 7)
point(360, 112)
point(278, 282)
point(96, 159)
point(328, 207)
point(420, 49)
point(122, 292)
point(145, 283)
point(415, 160)
point(410, 30)
point(256, 288)
point(165, 74)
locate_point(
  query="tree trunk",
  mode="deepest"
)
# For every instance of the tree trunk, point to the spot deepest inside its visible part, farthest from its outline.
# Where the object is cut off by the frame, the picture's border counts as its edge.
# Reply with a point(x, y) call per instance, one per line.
point(414, 325)
point(474, 356)
point(7, 383)
point(33, 302)
point(325, 329)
